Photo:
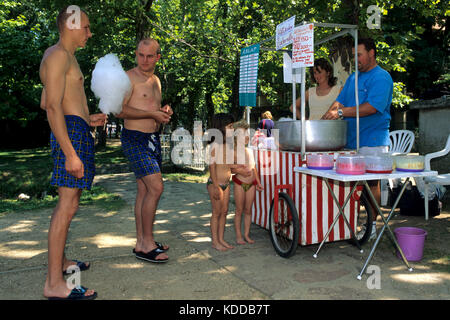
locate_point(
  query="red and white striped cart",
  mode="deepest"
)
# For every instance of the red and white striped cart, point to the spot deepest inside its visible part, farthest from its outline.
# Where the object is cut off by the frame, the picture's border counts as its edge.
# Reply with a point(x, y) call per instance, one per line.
point(305, 209)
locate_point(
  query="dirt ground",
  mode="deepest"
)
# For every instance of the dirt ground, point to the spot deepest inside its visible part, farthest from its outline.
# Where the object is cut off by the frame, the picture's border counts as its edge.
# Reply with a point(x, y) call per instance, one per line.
point(197, 272)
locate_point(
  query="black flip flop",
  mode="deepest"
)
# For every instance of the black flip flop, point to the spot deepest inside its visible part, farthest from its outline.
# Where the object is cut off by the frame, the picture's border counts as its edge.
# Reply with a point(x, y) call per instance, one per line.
point(80, 264)
point(159, 245)
point(151, 256)
point(77, 294)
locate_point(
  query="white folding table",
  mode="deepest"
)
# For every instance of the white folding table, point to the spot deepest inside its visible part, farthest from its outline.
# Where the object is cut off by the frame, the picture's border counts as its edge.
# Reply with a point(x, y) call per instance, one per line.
point(362, 179)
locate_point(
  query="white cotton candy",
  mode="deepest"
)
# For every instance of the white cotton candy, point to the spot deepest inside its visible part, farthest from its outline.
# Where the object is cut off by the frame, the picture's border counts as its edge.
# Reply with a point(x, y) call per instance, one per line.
point(110, 84)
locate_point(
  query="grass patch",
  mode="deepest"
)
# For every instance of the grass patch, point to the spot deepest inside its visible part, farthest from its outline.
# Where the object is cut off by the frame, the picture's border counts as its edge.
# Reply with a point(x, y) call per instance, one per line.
point(29, 171)
point(96, 196)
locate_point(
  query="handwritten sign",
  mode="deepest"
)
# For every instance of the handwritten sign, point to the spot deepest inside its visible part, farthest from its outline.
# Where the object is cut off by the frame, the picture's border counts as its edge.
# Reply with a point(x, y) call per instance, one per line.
point(303, 46)
point(248, 75)
point(284, 33)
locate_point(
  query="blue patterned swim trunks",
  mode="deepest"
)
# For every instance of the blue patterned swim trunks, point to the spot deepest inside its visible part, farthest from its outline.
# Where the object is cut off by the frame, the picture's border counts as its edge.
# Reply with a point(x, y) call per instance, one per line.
point(143, 151)
point(82, 141)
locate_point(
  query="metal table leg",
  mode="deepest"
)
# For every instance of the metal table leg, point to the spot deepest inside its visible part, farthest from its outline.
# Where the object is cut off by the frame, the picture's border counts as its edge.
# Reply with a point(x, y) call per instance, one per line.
point(341, 213)
point(385, 221)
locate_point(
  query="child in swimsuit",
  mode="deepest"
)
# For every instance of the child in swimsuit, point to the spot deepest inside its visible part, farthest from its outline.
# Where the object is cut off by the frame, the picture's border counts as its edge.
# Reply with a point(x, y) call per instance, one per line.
point(244, 186)
point(218, 184)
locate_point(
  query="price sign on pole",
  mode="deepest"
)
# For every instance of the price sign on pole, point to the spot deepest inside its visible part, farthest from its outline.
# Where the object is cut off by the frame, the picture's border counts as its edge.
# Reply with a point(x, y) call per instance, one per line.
point(248, 75)
point(303, 46)
point(284, 33)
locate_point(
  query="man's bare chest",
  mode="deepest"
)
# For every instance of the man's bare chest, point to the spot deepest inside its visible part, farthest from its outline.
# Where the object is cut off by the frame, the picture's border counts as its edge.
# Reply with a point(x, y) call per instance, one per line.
point(147, 91)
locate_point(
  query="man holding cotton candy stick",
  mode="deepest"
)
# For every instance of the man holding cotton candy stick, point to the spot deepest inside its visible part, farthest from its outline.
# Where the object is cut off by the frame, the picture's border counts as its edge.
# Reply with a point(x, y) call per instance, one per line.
point(64, 100)
point(142, 147)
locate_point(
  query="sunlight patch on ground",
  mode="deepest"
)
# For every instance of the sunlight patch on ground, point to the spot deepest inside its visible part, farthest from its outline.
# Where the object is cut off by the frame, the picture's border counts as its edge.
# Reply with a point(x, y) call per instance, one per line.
point(21, 226)
point(200, 239)
point(422, 278)
point(107, 214)
point(20, 253)
point(194, 257)
point(224, 270)
point(127, 266)
point(160, 231)
point(106, 240)
point(10, 250)
point(161, 221)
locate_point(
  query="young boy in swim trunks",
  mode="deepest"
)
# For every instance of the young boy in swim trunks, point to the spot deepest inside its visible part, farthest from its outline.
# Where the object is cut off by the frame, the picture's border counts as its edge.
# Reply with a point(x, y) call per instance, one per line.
point(244, 186)
point(218, 184)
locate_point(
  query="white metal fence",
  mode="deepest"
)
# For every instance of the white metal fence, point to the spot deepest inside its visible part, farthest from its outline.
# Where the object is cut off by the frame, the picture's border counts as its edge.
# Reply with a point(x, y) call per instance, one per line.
point(198, 161)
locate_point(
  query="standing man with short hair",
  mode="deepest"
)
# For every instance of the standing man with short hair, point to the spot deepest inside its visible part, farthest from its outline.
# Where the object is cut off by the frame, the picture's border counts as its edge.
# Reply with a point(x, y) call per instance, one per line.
point(142, 147)
point(72, 144)
point(375, 89)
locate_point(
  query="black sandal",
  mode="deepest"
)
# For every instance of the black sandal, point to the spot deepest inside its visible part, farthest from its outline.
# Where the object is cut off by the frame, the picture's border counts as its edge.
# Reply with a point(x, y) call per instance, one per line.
point(159, 245)
point(80, 264)
point(77, 294)
point(151, 256)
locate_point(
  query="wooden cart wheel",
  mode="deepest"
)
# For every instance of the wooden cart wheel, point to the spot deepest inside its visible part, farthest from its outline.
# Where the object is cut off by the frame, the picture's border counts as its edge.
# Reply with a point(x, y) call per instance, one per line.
point(285, 228)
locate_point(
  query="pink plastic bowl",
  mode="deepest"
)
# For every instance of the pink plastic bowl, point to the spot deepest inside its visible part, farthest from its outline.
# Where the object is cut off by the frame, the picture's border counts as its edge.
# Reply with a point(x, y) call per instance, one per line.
point(320, 161)
point(350, 164)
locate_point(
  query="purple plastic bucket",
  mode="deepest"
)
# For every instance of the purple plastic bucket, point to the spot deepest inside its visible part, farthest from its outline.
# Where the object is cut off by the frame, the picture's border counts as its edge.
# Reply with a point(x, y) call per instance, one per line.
point(411, 240)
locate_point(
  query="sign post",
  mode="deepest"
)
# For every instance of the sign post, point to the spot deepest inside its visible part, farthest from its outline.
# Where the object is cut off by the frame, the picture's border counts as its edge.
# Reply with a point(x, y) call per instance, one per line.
point(302, 57)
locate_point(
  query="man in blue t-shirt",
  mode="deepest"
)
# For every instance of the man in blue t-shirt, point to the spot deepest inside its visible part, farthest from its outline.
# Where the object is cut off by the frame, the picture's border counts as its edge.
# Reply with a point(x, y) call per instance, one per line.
point(375, 88)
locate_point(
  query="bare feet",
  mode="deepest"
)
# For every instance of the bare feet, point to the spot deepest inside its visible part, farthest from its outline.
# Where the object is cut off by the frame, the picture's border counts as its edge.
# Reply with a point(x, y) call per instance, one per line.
point(219, 247)
point(247, 238)
point(240, 241)
point(227, 245)
point(61, 290)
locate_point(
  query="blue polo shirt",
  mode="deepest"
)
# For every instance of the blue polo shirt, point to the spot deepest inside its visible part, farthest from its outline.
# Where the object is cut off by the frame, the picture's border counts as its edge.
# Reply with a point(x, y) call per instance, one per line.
point(375, 87)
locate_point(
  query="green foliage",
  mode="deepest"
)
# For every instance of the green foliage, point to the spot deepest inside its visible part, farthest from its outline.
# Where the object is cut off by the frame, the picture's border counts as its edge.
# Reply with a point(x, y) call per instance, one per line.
point(201, 42)
point(399, 98)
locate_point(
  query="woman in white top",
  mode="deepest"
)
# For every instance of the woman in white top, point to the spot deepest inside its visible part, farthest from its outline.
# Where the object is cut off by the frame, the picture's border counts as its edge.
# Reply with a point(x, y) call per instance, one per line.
point(320, 97)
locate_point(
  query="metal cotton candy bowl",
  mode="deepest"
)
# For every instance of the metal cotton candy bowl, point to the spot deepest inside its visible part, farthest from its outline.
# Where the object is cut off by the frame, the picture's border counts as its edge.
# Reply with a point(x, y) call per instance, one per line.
point(321, 135)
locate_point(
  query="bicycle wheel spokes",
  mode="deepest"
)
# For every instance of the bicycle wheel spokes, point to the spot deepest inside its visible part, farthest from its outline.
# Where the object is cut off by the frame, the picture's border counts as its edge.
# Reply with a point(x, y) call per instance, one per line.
point(285, 230)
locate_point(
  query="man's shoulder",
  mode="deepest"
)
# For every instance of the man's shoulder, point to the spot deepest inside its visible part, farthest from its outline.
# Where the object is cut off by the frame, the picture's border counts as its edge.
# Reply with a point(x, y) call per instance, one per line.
point(55, 52)
point(54, 58)
point(379, 72)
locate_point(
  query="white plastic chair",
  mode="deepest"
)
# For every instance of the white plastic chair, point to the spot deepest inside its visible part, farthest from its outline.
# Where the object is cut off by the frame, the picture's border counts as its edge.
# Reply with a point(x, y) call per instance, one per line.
point(400, 141)
point(441, 179)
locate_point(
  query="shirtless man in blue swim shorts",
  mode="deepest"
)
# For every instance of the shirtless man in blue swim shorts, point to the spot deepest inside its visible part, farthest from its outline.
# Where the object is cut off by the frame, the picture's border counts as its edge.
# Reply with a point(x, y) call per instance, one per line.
point(141, 145)
point(72, 145)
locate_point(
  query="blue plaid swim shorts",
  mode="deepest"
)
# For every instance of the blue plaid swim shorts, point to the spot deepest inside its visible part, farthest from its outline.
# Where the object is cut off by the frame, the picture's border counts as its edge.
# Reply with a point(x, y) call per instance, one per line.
point(143, 151)
point(82, 141)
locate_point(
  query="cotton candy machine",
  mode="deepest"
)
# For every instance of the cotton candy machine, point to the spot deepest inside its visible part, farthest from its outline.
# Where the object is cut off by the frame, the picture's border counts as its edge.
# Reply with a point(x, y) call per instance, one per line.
point(321, 135)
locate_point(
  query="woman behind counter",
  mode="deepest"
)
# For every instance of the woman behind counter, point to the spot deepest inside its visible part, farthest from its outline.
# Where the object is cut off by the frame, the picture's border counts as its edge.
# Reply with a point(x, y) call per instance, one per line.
point(320, 97)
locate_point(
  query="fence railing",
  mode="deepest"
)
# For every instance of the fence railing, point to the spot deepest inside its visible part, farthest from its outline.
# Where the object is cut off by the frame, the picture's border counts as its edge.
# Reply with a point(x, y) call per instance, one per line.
point(198, 161)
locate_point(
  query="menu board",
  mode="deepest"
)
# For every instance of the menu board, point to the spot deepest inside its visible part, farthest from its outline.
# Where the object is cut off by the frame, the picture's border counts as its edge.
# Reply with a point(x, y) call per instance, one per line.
point(248, 75)
point(303, 46)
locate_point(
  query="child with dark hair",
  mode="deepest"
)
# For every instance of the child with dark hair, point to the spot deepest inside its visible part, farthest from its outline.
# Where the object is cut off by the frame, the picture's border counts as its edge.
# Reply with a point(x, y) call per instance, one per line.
point(218, 183)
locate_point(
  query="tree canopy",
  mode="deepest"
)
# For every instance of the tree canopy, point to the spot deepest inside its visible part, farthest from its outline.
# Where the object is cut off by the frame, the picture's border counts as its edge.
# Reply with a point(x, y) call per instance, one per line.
point(201, 41)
